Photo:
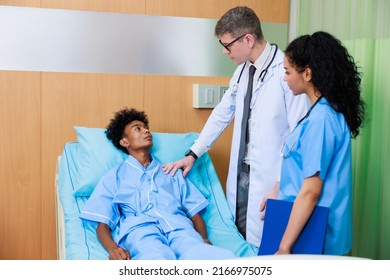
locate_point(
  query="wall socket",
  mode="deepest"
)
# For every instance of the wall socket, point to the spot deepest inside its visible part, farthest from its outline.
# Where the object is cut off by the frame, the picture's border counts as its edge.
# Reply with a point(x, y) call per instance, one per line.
point(207, 96)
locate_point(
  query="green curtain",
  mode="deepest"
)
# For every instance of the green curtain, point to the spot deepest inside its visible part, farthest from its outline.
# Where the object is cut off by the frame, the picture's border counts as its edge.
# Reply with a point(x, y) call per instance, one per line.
point(363, 27)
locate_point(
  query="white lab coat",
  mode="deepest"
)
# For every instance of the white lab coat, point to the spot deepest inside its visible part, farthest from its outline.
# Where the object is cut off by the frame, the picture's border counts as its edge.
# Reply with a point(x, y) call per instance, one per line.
point(275, 112)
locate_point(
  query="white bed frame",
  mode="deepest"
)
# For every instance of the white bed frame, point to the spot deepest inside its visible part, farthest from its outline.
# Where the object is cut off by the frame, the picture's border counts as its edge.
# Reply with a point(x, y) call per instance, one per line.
point(60, 223)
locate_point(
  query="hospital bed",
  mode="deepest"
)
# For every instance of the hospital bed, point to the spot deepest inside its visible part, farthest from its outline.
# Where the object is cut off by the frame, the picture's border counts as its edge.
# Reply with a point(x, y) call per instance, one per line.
point(81, 165)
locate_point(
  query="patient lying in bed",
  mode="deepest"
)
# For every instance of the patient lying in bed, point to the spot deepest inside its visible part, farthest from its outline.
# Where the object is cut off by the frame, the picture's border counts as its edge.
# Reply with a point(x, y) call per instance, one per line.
point(158, 214)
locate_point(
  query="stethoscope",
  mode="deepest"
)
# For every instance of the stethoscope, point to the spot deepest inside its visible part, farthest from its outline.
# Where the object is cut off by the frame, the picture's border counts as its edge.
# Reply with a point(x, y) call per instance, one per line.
point(261, 77)
point(285, 154)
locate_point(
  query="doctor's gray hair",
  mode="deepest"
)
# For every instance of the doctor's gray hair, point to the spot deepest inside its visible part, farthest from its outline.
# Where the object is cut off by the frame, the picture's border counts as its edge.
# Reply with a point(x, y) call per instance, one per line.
point(239, 21)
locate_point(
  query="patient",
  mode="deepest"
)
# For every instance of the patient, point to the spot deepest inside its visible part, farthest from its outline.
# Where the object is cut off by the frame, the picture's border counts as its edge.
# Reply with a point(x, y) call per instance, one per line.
point(158, 215)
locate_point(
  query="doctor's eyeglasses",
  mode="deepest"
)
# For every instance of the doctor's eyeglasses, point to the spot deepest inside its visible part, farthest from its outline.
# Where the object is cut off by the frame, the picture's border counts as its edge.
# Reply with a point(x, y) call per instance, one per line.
point(226, 46)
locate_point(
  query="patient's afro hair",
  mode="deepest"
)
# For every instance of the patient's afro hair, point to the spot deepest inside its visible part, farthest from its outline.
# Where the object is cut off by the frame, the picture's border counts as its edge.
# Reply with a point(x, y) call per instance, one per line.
point(116, 127)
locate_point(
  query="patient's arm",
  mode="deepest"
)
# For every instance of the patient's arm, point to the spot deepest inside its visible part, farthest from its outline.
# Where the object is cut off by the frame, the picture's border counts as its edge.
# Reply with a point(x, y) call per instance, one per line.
point(115, 252)
point(200, 227)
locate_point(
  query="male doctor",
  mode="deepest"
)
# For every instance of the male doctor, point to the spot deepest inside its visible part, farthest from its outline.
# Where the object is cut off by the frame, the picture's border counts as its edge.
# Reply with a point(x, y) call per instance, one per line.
point(274, 111)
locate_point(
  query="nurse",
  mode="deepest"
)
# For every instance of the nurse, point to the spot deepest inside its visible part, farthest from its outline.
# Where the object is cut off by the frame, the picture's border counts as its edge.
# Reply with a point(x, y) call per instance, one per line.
point(316, 166)
point(273, 113)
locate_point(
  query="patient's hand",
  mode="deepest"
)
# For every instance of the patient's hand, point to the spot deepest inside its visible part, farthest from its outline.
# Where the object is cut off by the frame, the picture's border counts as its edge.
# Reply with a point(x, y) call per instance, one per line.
point(119, 254)
point(184, 163)
point(207, 241)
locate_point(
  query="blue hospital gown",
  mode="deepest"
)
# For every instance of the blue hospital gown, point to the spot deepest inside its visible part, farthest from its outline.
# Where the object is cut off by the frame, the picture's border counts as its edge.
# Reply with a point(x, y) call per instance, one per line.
point(322, 143)
point(153, 211)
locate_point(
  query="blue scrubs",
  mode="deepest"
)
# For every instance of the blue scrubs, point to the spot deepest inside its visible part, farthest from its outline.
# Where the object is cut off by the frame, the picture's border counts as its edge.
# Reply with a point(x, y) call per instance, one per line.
point(322, 143)
point(153, 211)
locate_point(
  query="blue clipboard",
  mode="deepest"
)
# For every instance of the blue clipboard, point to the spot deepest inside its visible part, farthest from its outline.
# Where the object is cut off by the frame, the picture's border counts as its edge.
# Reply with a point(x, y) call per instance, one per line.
point(310, 241)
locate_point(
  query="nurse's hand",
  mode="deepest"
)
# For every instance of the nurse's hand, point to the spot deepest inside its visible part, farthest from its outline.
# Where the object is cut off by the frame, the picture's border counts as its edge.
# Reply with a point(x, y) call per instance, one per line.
point(283, 252)
point(184, 163)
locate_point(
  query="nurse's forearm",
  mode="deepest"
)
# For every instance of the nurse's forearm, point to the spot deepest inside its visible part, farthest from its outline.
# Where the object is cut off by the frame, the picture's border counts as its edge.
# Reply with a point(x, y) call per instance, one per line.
point(302, 209)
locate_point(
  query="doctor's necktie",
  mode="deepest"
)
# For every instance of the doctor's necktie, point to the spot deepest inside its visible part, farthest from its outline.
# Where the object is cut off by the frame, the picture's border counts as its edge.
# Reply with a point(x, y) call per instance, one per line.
point(245, 117)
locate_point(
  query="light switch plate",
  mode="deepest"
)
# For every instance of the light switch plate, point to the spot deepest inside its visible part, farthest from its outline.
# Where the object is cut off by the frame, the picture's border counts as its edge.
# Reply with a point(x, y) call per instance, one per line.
point(207, 96)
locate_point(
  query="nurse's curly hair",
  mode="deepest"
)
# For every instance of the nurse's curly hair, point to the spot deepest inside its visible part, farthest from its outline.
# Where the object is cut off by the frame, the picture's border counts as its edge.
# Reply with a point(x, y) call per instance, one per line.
point(115, 129)
point(334, 74)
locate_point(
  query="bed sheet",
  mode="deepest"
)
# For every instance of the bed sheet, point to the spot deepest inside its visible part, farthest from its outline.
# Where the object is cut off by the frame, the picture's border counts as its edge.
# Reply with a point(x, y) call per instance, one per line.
point(80, 241)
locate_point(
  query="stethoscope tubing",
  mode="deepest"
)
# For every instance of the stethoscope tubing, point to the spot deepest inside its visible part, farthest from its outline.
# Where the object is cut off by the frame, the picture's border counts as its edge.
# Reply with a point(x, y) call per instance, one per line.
point(264, 72)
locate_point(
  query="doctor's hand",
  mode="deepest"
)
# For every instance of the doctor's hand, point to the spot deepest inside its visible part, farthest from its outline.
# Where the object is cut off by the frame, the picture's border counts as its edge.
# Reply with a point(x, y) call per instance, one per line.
point(273, 194)
point(184, 163)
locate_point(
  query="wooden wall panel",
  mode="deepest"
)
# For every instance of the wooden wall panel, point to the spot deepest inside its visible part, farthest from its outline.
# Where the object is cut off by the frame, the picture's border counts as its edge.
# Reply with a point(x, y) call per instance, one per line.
point(276, 11)
point(20, 165)
point(201, 8)
point(168, 103)
point(267, 10)
point(86, 99)
point(115, 6)
point(21, 3)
